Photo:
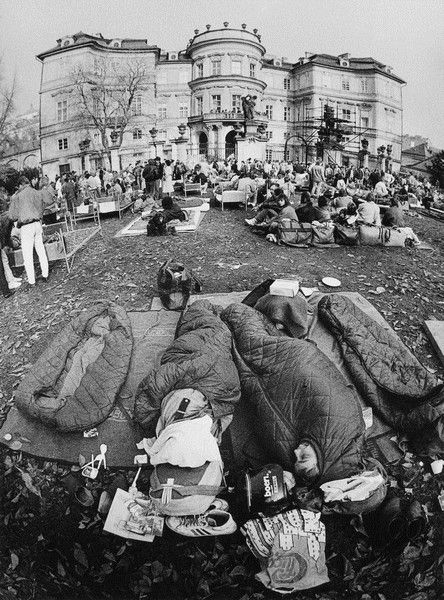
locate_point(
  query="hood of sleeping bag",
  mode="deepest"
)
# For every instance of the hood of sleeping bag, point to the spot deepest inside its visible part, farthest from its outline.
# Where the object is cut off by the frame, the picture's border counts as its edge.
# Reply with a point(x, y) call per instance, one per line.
point(74, 384)
point(295, 394)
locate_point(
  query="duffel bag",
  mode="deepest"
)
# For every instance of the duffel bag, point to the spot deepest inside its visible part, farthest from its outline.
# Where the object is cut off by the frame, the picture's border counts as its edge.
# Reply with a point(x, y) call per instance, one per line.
point(393, 237)
point(292, 233)
point(370, 235)
point(174, 284)
point(323, 233)
point(347, 236)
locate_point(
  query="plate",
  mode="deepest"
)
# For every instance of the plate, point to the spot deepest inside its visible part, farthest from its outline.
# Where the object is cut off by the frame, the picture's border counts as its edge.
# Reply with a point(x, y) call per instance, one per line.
point(331, 282)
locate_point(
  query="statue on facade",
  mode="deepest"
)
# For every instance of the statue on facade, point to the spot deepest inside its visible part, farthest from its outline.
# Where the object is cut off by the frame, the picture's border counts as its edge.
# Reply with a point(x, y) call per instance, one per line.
point(248, 104)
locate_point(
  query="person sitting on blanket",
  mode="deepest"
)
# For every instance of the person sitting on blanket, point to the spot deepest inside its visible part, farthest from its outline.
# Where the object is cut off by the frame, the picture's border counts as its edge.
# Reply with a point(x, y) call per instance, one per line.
point(270, 209)
point(171, 210)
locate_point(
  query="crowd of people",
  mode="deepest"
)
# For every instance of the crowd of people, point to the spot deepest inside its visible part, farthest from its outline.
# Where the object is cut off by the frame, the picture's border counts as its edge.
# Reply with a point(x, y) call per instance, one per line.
point(346, 195)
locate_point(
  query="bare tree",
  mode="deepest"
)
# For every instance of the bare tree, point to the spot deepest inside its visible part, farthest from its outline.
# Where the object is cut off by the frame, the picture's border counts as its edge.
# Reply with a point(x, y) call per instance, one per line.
point(105, 97)
point(7, 97)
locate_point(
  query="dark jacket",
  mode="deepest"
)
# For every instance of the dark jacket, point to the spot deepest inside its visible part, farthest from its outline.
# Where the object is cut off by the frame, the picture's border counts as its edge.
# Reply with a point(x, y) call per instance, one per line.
point(306, 213)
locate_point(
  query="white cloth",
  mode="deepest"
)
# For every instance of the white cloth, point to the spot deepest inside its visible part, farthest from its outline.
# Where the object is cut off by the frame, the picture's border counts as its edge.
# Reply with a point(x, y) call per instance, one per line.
point(354, 488)
point(31, 236)
point(187, 443)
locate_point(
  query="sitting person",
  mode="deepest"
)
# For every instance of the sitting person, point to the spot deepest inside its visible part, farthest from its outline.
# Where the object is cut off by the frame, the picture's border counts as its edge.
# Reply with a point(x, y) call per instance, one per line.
point(347, 216)
point(171, 210)
point(306, 212)
point(342, 199)
point(269, 209)
point(394, 215)
point(369, 212)
point(322, 210)
point(381, 189)
point(199, 177)
point(247, 185)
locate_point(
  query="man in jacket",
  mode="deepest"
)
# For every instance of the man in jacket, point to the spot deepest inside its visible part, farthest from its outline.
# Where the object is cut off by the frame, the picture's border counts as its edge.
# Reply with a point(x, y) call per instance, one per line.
point(317, 176)
point(369, 212)
point(26, 208)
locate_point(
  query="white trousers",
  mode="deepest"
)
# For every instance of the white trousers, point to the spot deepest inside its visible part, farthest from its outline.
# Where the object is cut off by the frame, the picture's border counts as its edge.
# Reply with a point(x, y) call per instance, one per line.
point(31, 236)
point(7, 269)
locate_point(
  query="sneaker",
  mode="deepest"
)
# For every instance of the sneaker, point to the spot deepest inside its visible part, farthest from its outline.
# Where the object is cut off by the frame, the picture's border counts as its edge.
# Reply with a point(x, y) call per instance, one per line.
point(14, 284)
point(42, 279)
point(250, 222)
point(218, 504)
point(215, 522)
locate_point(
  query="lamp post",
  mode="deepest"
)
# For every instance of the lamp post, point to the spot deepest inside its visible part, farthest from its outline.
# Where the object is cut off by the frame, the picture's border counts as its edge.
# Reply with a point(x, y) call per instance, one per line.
point(153, 133)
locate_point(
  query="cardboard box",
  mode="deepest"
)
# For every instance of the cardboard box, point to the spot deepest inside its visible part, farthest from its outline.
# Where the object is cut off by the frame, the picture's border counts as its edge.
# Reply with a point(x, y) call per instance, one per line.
point(285, 287)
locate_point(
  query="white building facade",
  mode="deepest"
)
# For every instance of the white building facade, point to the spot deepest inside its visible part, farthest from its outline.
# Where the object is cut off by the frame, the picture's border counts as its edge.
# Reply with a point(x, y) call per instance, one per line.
point(190, 102)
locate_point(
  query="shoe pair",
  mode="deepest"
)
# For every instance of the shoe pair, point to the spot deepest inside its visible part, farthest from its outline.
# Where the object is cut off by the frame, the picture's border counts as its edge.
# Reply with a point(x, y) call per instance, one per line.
point(215, 521)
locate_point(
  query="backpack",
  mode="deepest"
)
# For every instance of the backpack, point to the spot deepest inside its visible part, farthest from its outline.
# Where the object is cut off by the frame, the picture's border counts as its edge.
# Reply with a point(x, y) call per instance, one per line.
point(156, 225)
point(293, 233)
point(174, 283)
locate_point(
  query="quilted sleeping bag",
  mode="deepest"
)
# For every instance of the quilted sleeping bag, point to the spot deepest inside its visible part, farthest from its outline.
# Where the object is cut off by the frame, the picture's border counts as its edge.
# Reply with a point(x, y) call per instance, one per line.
point(75, 382)
point(199, 358)
point(387, 375)
point(296, 394)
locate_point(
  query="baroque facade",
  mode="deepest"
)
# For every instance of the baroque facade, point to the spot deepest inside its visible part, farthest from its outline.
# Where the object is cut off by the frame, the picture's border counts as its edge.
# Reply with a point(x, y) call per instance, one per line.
point(190, 103)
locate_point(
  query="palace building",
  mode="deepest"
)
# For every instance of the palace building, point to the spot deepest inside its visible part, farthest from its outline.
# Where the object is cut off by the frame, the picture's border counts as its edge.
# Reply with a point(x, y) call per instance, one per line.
point(190, 103)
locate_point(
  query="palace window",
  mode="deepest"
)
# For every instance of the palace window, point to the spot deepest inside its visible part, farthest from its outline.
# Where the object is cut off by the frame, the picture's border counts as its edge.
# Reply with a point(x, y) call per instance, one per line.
point(269, 111)
point(216, 67)
point(364, 122)
point(216, 102)
point(346, 85)
point(236, 103)
point(364, 85)
point(252, 70)
point(62, 111)
point(346, 114)
point(268, 154)
point(162, 134)
point(269, 135)
point(236, 67)
point(286, 113)
point(63, 143)
point(199, 105)
point(162, 112)
point(136, 106)
point(137, 134)
point(200, 70)
point(183, 111)
point(286, 84)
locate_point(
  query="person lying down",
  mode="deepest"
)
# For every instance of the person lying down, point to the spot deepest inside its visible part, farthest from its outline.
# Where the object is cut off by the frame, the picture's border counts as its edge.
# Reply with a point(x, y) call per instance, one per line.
point(302, 409)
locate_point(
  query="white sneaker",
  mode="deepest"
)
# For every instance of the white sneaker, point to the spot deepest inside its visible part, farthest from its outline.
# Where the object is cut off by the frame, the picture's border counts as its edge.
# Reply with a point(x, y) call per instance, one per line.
point(14, 284)
point(218, 504)
point(215, 522)
point(250, 222)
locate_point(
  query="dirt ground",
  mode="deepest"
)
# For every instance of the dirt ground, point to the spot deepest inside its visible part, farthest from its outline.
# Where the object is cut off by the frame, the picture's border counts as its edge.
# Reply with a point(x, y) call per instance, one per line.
point(52, 548)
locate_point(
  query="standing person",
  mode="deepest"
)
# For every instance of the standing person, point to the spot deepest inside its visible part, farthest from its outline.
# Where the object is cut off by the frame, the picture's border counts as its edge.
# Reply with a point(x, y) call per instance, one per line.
point(149, 174)
point(69, 193)
point(158, 178)
point(27, 209)
point(167, 186)
point(5, 241)
point(317, 175)
point(49, 196)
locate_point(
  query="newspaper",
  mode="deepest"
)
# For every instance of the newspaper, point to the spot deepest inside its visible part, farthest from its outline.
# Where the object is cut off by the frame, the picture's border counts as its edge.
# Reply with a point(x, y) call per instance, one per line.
point(118, 516)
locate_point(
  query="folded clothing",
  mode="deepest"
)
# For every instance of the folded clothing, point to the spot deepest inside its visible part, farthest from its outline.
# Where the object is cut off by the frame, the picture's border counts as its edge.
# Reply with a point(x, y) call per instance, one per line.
point(187, 443)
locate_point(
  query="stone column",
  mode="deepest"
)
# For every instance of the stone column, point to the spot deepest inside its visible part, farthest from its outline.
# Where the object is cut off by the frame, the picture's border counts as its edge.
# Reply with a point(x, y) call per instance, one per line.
point(115, 162)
